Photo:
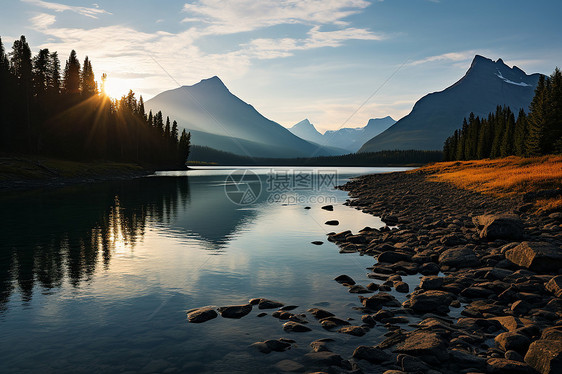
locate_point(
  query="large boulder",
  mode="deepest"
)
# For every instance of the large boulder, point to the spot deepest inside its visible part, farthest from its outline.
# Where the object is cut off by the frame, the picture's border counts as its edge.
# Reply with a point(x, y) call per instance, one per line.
point(499, 226)
point(458, 258)
point(536, 256)
point(545, 356)
point(372, 354)
point(512, 340)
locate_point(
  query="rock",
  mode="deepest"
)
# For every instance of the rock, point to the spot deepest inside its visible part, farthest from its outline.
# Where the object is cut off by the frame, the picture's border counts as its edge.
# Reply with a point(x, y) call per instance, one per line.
point(372, 354)
point(319, 313)
point(268, 346)
point(328, 207)
point(503, 366)
point(261, 314)
point(317, 242)
point(545, 356)
point(521, 307)
point(356, 239)
point(333, 222)
point(429, 301)
point(295, 327)
point(289, 366)
point(429, 268)
point(512, 355)
point(358, 289)
point(401, 287)
point(555, 286)
point(379, 300)
point(392, 257)
point(353, 330)
point(344, 279)
point(321, 345)
point(269, 304)
point(509, 323)
point(389, 219)
point(431, 282)
point(333, 237)
point(330, 323)
point(552, 333)
point(512, 341)
point(462, 359)
point(501, 226)
point(324, 358)
point(411, 364)
point(201, 315)
point(424, 343)
point(458, 258)
point(536, 256)
point(289, 307)
point(234, 311)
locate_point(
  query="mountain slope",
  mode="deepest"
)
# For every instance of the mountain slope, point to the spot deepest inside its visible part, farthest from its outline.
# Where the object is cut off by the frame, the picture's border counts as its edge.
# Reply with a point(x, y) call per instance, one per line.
point(219, 119)
point(348, 139)
point(436, 116)
point(306, 130)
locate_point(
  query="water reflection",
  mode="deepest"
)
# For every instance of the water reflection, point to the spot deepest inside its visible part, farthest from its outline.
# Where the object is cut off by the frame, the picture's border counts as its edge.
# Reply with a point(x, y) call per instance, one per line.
point(70, 232)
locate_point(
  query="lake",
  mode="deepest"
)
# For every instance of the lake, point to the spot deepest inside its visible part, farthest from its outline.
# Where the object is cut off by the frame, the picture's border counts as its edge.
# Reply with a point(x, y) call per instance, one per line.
point(98, 278)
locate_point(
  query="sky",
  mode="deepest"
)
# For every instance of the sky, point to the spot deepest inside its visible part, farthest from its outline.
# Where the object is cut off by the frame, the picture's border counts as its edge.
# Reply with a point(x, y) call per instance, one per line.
point(336, 62)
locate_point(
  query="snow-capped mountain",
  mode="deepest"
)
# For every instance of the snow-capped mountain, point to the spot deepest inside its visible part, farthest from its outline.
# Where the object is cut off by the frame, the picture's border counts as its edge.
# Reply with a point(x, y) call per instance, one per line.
point(350, 139)
point(218, 119)
point(436, 116)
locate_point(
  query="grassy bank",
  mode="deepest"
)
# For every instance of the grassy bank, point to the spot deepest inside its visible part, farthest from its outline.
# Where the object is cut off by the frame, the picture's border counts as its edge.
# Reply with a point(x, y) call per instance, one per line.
point(25, 168)
point(506, 177)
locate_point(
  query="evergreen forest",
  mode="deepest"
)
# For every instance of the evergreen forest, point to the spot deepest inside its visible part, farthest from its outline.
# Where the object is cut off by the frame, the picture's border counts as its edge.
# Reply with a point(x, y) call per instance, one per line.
point(48, 110)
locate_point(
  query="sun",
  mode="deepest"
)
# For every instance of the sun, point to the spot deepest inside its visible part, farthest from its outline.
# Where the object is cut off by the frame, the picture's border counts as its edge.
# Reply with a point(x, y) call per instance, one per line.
point(116, 87)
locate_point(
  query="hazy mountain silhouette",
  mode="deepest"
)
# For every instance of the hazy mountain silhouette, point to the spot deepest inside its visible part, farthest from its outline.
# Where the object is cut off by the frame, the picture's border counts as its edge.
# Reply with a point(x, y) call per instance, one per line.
point(218, 119)
point(350, 139)
point(435, 116)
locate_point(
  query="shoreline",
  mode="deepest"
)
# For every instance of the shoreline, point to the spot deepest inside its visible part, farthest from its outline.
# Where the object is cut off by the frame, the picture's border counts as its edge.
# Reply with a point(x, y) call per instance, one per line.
point(501, 272)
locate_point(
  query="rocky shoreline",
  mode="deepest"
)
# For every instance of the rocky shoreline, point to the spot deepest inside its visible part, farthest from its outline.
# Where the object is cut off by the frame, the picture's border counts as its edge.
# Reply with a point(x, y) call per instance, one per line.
point(489, 299)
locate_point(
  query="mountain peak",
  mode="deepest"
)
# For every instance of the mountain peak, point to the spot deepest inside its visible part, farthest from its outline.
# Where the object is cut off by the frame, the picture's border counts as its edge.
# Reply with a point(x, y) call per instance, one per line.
point(214, 81)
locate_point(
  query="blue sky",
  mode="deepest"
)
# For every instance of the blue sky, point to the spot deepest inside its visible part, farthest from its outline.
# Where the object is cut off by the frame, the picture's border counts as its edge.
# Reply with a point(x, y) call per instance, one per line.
point(294, 59)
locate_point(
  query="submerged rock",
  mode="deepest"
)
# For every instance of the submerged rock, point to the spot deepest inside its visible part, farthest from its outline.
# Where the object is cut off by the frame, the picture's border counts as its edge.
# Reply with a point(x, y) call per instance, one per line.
point(277, 345)
point(295, 327)
point(344, 279)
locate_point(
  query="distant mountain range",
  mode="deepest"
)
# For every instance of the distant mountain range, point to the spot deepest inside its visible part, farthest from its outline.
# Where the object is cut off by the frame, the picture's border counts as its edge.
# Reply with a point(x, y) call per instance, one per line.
point(436, 116)
point(350, 139)
point(216, 118)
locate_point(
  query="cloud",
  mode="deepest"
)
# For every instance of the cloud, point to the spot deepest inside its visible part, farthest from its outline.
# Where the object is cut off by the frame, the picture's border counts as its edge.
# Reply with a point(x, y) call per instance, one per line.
point(451, 56)
point(246, 15)
point(85, 11)
point(284, 47)
point(43, 20)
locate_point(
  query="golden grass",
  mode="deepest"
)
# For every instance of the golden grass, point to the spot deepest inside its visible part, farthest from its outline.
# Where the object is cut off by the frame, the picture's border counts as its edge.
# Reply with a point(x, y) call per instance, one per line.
point(505, 177)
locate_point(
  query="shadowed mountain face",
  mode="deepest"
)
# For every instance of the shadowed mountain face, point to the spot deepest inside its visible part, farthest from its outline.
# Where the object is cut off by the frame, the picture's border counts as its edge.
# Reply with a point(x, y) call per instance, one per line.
point(436, 116)
point(350, 139)
point(218, 119)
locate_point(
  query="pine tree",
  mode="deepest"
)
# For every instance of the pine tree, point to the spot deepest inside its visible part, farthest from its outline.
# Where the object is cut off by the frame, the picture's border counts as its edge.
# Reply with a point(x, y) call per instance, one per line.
point(167, 128)
point(71, 84)
point(54, 74)
point(520, 134)
point(537, 118)
point(506, 148)
point(553, 130)
point(87, 79)
point(41, 76)
point(21, 62)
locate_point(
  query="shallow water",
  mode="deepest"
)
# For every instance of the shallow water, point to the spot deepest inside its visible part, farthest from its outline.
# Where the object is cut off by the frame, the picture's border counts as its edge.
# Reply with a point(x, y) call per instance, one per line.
point(97, 278)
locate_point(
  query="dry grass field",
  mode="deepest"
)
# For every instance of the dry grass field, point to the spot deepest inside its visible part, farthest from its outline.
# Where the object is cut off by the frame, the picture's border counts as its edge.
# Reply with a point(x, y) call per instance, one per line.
point(506, 177)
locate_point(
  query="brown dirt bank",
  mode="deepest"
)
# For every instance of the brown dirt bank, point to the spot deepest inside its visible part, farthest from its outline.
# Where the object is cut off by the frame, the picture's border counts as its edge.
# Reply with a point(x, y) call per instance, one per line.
point(18, 173)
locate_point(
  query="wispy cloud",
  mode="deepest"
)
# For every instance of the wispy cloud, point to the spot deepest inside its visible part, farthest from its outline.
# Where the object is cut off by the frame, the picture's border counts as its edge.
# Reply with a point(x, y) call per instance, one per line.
point(246, 15)
point(57, 7)
point(275, 48)
point(448, 57)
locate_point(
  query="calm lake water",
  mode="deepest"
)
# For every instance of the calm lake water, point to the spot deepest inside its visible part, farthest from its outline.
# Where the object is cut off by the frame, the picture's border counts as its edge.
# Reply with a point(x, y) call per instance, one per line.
point(97, 278)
